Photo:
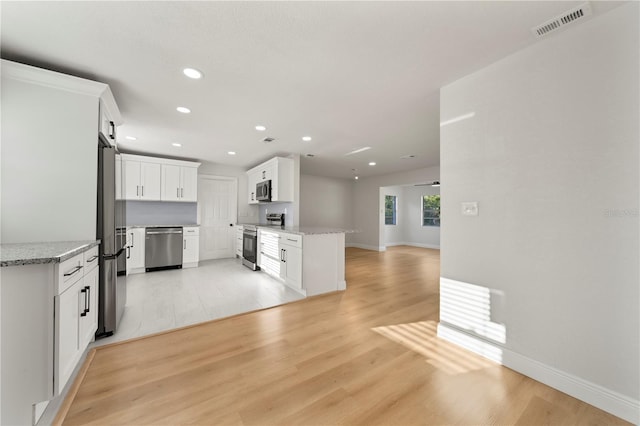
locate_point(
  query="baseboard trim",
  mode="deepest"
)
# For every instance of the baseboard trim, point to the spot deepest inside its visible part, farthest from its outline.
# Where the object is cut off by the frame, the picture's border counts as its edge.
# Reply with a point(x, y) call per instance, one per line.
point(429, 246)
point(365, 246)
point(610, 401)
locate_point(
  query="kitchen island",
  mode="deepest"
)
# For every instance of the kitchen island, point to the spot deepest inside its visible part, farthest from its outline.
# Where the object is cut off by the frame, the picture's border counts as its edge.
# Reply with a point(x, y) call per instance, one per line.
point(49, 297)
point(311, 260)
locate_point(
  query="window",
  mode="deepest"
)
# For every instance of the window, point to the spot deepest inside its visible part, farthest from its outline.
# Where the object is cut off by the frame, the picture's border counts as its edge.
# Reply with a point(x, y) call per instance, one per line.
point(389, 209)
point(431, 210)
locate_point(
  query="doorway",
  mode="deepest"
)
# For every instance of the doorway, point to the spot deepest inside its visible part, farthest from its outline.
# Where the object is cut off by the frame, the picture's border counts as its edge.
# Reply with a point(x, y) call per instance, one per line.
point(217, 215)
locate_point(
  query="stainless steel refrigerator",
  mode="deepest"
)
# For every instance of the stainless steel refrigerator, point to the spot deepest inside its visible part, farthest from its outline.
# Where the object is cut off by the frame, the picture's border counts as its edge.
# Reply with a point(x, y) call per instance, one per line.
point(112, 233)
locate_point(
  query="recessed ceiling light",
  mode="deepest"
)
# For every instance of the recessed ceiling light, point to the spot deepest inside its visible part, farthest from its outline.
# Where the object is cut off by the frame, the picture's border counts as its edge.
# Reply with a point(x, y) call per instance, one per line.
point(372, 163)
point(183, 110)
point(231, 153)
point(177, 144)
point(356, 177)
point(192, 73)
point(131, 138)
point(261, 128)
point(306, 138)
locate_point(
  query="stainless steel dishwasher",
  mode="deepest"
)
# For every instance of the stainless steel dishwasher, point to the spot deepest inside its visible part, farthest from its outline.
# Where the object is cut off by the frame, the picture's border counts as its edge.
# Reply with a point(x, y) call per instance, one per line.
point(163, 248)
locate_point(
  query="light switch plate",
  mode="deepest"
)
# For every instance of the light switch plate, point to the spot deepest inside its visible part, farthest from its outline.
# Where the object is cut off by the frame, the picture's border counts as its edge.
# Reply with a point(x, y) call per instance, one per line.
point(470, 208)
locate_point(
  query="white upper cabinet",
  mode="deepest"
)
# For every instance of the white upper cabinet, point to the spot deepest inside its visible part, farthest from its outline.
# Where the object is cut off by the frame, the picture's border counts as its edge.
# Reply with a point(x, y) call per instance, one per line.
point(107, 124)
point(279, 171)
point(179, 183)
point(142, 179)
point(159, 179)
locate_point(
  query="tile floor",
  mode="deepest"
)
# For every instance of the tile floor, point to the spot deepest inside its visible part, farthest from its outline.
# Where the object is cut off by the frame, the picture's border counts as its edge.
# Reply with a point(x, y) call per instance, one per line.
point(163, 300)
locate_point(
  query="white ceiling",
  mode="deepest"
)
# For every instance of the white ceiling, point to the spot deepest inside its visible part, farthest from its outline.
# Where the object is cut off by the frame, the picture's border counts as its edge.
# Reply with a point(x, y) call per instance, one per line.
point(348, 74)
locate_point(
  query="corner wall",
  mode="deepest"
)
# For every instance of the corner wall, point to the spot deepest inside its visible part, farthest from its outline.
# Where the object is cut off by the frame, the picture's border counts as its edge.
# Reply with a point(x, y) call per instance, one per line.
point(551, 156)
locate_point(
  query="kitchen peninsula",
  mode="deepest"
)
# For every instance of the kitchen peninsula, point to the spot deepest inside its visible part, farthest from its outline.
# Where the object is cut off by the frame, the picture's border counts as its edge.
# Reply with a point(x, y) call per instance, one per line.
point(311, 260)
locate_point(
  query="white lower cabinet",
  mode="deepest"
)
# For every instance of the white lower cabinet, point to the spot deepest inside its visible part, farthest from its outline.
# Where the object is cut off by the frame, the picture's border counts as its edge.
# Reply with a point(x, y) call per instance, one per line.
point(135, 251)
point(239, 240)
point(281, 256)
point(190, 246)
point(76, 314)
point(291, 260)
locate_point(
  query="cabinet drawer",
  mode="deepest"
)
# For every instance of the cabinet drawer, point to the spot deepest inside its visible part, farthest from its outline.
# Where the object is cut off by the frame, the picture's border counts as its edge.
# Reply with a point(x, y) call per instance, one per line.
point(91, 259)
point(70, 271)
point(294, 240)
point(190, 230)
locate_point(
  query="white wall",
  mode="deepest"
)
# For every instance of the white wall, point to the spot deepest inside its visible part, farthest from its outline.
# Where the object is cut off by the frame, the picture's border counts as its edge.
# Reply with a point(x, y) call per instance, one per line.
point(48, 163)
point(325, 202)
point(414, 233)
point(551, 156)
point(368, 204)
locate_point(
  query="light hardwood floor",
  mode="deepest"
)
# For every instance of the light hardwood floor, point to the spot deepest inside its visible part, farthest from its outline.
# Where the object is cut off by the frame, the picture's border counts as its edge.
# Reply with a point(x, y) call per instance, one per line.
point(367, 356)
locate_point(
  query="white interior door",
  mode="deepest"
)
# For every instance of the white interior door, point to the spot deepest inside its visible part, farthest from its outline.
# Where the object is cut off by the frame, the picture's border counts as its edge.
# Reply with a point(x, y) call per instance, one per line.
point(217, 211)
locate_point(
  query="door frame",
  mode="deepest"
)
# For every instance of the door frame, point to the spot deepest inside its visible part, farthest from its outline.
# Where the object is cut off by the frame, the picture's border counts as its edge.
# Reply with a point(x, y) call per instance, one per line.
point(234, 204)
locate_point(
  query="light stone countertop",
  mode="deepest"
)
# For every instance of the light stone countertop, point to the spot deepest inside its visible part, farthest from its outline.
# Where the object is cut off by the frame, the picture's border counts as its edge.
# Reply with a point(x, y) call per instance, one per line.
point(303, 230)
point(40, 253)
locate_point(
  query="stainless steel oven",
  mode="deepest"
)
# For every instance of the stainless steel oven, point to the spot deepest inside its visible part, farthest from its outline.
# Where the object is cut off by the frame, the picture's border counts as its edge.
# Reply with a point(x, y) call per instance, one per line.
point(250, 247)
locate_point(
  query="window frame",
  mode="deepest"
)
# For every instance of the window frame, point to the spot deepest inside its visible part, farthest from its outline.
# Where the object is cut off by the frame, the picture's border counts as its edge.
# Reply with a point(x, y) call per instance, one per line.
point(436, 219)
point(395, 210)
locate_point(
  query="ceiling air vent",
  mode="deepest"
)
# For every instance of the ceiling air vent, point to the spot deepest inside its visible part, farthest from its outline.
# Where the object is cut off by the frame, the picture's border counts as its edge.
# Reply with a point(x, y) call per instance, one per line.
point(268, 140)
point(560, 21)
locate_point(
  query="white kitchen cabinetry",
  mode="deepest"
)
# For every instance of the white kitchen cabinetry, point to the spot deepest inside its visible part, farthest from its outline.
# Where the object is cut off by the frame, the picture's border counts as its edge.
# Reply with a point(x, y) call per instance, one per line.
point(160, 179)
point(281, 256)
point(107, 124)
point(142, 179)
point(190, 246)
point(179, 183)
point(135, 250)
point(48, 315)
point(291, 260)
point(76, 312)
point(239, 240)
point(279, 171)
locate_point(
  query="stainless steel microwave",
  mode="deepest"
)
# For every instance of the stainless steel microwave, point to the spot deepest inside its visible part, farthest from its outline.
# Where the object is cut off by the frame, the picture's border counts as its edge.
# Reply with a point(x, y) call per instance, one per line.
point(263, 191)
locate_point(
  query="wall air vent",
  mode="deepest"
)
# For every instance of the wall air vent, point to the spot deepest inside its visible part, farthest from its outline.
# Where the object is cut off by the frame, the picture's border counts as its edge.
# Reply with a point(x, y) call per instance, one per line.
point(268, 140)
point(569, 17)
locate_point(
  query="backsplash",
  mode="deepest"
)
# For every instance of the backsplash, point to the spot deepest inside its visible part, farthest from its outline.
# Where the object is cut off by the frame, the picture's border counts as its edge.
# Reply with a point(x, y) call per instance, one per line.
point(286, 208)
point(161, 213)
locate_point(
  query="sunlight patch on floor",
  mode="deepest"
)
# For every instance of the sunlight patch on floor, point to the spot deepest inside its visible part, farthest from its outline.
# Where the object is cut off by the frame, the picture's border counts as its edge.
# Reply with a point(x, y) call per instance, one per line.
point(421, 337)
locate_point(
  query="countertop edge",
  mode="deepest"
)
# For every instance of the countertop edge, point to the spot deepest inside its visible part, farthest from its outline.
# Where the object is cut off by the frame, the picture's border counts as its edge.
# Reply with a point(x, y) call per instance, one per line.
point(302, 230)
point(57, 258)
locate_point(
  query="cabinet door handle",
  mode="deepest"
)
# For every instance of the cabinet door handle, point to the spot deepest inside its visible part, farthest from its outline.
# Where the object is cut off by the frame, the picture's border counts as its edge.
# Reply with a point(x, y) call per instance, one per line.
point(91, 259)
point(132, 241)
point(128, 252)
point(177, 192)
point(88, 297)
point(252, 196)
point(143, 190)
point(137, 190)
point(76, 269)
point(264, 174)
point(84, 310)
point(112, 130)
point(181, 192)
